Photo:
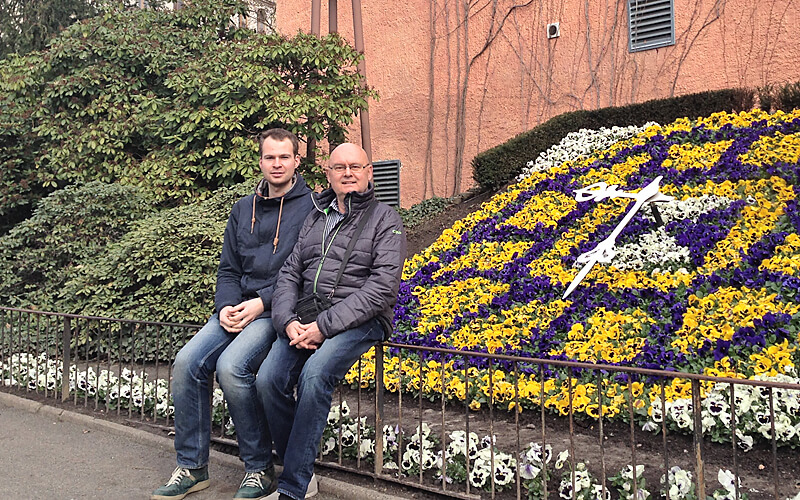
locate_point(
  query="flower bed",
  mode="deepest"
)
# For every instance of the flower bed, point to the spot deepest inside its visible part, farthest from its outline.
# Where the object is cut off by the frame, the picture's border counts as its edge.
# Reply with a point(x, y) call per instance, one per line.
point(713, 290)
point(485, 466)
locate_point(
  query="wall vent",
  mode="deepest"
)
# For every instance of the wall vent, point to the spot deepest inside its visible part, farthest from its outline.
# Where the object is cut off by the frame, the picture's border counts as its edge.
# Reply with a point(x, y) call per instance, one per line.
point(651, 24)
point(386, 176)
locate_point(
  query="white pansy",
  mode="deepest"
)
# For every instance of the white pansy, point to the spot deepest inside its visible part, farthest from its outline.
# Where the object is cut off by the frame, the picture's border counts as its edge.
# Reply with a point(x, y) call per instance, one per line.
point(679, 483)
point(562, 459)
point(597, 492)
point(348, 438)
point(650, 426)
point(534, 454)
point(478, 477)
point(529, 471)
point(577, 145)
point(681, 412)
point(728, 480)
point(744, 441)
point(503, 474)
point(329, 445)
point(366, 448)
point(627, 472)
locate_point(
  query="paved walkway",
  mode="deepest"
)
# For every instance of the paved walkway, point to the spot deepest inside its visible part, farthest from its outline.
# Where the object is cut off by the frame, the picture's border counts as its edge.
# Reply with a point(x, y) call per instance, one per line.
point(49, 453)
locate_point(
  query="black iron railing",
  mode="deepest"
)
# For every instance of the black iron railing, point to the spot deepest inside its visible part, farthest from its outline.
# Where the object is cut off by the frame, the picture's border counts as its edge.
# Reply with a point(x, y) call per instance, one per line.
point(459, 423)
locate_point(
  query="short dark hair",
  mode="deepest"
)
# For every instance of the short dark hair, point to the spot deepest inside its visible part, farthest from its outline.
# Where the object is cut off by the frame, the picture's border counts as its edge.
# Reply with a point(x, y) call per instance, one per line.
point(277, 134)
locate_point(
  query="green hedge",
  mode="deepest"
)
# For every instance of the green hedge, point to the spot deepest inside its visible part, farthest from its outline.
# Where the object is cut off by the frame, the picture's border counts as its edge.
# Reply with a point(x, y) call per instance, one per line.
point(163, 269)
point(497, 166)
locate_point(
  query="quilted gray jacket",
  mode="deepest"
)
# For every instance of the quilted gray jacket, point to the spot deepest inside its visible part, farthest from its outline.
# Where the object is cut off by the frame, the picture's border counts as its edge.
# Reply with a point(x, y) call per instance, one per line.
point(368, 288)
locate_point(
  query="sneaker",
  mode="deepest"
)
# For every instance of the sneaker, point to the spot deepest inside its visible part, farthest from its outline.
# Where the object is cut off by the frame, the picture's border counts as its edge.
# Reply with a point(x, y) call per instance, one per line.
point(311, 491)
point(257, 485)
point(182, 482)
point(313, 487)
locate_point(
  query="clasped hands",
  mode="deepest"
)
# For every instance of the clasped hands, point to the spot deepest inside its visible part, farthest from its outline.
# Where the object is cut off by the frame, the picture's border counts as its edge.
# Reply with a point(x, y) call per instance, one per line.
point(304, 336)
point(235, 318)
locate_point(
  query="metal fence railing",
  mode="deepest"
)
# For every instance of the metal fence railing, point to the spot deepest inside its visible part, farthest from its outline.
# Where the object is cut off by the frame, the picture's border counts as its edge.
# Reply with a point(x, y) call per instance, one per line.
point(461, 424)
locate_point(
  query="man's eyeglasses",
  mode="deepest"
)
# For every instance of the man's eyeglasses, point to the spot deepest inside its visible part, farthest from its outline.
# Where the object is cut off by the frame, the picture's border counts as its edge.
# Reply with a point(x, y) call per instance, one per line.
point(355, 168)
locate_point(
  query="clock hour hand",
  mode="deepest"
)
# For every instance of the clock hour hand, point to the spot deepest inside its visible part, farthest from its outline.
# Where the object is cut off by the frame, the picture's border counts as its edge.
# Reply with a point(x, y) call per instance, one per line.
point(604, 251)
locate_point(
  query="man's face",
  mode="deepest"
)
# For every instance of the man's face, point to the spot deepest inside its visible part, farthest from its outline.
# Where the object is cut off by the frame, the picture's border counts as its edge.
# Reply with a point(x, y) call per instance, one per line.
point(278, 162)
point(343, 180)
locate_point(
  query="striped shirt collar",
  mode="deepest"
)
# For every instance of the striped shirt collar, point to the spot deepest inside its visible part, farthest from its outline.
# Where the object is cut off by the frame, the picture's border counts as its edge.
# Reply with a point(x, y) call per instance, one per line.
point(332, 216)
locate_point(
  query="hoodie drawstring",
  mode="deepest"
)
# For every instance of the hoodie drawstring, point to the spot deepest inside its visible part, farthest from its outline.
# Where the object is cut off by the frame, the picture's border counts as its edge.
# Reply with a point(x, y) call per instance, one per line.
point(278, 228)
point(253, 220)
point(260, 190)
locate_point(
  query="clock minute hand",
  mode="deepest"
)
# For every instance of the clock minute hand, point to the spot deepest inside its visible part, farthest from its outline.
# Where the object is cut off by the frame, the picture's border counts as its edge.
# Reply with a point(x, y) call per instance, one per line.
point(646, 195)
point(603, 252)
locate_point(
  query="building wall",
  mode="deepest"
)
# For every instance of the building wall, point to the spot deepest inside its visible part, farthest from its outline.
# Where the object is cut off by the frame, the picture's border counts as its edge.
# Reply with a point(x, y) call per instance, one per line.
point(455, 82)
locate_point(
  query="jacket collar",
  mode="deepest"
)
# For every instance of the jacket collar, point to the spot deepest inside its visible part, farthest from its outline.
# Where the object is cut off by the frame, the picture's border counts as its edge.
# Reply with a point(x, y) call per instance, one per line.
point(297, 189)
point(356, 201)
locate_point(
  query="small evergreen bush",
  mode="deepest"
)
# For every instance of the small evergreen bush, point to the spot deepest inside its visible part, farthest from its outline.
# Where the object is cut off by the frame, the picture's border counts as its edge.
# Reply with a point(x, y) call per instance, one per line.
point(424, 210)
point(163, 269)
point(67, 231)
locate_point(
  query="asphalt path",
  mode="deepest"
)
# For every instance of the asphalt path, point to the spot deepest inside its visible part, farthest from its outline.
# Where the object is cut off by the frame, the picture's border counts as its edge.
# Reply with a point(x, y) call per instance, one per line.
point(44, 457)
point(50, 453)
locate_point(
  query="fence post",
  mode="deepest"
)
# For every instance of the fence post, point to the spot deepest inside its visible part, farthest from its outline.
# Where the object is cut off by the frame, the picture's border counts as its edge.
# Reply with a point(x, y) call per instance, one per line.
point(378, 409)
point(66, 358)
point(697, 415)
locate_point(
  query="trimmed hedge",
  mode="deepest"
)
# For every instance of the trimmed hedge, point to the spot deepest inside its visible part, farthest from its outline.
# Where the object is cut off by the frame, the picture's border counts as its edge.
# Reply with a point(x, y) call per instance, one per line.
point(497, 166)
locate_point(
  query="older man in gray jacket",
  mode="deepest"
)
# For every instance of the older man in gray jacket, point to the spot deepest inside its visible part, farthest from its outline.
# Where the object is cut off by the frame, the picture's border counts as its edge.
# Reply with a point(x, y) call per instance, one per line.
point(316, 354)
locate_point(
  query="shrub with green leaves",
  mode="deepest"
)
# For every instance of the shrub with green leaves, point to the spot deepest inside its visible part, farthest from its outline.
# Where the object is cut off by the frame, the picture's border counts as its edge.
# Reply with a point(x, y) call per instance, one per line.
point(163, 269)
point(423, 210)
point(67, 231)
point(166, 100)
point(19, 187)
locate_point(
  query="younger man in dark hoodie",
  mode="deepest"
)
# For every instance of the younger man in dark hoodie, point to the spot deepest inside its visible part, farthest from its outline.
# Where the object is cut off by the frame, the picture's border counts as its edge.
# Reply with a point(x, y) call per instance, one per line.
point(261, 232)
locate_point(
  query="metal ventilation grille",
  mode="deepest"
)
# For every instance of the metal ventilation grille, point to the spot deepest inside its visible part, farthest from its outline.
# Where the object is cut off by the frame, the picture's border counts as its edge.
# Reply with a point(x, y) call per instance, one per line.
point(386, 175)
point(651, 24)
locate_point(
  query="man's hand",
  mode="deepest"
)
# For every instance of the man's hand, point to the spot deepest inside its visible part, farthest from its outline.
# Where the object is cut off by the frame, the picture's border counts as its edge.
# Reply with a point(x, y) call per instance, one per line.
point(235, 318)
point(307, 337)
point(293, 330)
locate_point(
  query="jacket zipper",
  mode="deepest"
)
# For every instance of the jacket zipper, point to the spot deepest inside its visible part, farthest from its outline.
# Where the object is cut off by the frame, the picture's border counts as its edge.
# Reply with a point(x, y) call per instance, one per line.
point(330, 244)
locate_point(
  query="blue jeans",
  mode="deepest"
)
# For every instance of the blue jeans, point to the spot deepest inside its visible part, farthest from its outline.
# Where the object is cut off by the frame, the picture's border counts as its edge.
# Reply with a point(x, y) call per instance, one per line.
point(297, 426)
point(236, 358)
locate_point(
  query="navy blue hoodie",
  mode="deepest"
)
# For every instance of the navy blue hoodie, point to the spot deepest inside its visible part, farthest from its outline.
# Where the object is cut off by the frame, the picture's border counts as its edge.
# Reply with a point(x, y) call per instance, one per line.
point(260, 234)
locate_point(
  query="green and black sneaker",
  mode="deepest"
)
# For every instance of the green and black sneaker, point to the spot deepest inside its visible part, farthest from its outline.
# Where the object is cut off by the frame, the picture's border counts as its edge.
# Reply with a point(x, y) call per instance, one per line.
point(257, 484)
point(182, 482)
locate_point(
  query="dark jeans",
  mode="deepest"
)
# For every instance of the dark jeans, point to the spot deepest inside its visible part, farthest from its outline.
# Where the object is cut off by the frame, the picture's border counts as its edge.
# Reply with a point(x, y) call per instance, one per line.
point(297, 425)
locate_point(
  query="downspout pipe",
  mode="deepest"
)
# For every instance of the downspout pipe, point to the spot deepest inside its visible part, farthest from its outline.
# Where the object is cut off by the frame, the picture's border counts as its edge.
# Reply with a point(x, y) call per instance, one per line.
point(358, 32)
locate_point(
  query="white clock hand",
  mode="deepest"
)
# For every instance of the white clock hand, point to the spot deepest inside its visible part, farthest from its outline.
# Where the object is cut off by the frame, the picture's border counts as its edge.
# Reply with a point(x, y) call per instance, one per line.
point(604, 251)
